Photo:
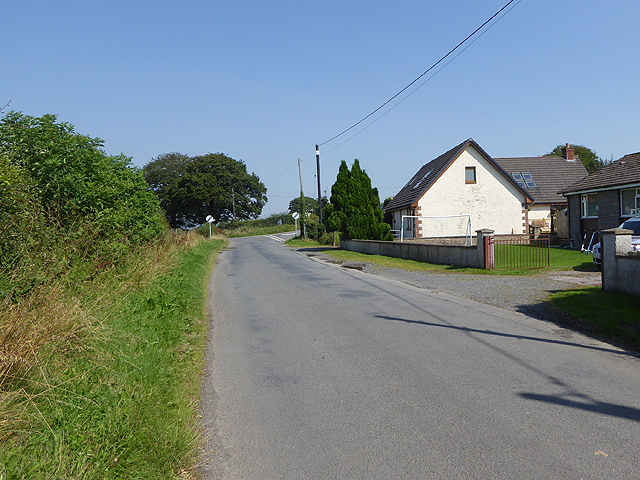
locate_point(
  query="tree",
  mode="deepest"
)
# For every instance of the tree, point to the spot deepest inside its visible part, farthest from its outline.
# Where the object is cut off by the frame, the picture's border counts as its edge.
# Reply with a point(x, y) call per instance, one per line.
point(354, 208)
point(588, 157)
point(190, 188)
point(311, 205)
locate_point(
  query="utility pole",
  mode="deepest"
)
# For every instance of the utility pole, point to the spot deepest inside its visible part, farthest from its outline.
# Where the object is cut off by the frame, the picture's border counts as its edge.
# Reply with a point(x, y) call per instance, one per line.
point(303, 223)
point(233, 203)
point(319, 191)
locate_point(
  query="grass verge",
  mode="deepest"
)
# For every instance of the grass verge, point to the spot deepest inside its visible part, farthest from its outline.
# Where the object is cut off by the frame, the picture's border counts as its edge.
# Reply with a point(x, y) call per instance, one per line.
point(612, 316)
point(560, 260)
point(106, 383)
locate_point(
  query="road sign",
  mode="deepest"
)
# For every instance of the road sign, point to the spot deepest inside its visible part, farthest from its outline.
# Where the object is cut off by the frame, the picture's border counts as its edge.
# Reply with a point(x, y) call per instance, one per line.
point(210, 219)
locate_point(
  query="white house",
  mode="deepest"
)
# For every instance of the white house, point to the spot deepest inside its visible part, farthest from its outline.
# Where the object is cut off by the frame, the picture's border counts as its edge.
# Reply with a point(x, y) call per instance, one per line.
point(463, 181)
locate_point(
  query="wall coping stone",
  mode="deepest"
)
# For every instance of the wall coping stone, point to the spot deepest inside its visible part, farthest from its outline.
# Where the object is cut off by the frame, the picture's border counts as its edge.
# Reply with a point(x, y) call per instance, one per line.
point(617, 231)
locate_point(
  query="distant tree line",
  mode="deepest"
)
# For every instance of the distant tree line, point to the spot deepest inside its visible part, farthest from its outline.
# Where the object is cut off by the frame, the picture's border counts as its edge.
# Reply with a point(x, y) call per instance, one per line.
point(191, 188)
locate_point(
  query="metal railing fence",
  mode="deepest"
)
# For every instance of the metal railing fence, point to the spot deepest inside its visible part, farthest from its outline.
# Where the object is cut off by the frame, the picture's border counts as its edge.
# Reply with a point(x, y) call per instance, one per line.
point(521, 251)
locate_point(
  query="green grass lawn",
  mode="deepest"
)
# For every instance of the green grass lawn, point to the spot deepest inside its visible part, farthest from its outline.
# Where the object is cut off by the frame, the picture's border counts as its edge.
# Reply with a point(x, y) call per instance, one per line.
point(560, 259)
point(614, 316)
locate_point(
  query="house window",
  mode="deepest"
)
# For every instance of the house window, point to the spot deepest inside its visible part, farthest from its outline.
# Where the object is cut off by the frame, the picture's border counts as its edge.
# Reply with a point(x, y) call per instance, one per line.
point(589, 205)
point(469, 174)
point(630, 202)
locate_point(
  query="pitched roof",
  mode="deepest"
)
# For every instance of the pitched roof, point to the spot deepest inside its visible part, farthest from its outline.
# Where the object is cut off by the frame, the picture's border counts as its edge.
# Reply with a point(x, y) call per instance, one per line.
point(550, 175)
point(430, 172)
point(621, 172)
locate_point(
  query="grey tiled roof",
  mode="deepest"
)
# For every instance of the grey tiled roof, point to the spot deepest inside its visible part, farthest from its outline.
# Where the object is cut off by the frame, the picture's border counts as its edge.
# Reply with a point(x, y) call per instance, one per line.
point(430, 172)
point(550, 174)
point(625, 171)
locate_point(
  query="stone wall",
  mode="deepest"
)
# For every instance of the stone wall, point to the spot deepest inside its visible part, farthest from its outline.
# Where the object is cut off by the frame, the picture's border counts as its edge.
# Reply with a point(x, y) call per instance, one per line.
point(620, 266)
point(608, 209)
point(464, 256)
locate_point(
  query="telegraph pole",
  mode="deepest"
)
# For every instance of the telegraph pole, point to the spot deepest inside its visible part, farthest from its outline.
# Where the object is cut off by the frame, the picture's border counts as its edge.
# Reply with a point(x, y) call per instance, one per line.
point(233, 204)
point(303, 223)
point(319, 191)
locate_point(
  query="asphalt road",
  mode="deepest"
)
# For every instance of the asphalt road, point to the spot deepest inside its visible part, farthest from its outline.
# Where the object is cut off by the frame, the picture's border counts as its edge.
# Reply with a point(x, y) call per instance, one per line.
point(315, 371)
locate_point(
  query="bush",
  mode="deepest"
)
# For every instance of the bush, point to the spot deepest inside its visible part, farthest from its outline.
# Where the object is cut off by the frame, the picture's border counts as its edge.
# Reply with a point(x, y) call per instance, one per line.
point(314, 228)
point(65, 205)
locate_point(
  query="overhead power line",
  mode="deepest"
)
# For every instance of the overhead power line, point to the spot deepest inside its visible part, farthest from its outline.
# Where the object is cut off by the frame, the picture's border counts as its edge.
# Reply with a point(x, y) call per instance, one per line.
point(424, 73)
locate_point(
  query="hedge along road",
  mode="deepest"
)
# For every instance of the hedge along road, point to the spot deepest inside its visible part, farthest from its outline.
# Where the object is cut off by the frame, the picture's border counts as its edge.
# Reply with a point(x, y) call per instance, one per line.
point(320, 372)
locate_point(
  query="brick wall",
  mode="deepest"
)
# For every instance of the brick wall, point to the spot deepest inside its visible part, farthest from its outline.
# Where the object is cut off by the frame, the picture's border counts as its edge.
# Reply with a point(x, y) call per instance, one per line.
point(608, 214)
point(418, 223)
point(608, 209)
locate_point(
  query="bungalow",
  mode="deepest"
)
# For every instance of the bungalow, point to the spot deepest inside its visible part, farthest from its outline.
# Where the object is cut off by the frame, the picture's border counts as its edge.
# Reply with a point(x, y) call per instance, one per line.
point(605, 198)
point(463, 181)
point(543, 178)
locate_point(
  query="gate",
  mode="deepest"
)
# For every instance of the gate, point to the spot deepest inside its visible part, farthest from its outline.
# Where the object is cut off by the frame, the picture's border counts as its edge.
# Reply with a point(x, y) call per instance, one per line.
point(521, 251)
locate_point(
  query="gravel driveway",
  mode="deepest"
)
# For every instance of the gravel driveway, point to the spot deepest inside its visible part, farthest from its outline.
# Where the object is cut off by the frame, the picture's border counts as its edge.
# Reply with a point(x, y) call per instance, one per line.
point(526, 294)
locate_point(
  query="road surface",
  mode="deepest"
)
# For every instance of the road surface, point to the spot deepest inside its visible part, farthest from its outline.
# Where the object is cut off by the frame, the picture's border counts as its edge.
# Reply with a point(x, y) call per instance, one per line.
point(315, 371)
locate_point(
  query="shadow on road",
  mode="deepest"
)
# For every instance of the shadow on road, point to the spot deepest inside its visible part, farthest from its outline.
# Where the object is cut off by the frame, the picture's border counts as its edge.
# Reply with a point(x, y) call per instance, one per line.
point(589, 405)
point(509, 335)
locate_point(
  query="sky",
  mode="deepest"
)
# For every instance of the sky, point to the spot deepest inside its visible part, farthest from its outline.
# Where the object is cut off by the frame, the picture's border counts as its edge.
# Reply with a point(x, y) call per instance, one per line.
point(264, 82)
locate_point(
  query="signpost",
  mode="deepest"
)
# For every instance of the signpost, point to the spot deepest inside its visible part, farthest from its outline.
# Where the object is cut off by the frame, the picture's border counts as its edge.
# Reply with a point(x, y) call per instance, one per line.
point(295, 216)
point(210, 219)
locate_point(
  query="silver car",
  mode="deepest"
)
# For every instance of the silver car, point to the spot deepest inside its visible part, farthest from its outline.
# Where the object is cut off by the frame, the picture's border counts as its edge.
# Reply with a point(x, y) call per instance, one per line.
point(631, 224)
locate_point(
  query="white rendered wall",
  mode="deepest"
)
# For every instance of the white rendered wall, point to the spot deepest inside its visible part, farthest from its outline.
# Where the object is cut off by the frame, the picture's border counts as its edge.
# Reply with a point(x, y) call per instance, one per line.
point(539, 212)
point(493, 202)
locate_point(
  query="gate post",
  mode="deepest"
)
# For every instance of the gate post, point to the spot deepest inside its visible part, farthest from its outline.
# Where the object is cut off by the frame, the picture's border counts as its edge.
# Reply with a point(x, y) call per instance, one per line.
point(486, 246)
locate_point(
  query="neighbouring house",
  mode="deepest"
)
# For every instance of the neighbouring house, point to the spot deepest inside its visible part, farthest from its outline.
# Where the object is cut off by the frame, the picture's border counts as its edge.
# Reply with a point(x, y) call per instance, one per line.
point(544, 178)
point(604, 199)
point(463, 181)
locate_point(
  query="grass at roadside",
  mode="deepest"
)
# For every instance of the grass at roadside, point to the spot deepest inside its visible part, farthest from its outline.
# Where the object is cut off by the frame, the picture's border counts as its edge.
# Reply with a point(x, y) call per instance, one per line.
point(560, 259)
point(112, 389)
point(616, 317)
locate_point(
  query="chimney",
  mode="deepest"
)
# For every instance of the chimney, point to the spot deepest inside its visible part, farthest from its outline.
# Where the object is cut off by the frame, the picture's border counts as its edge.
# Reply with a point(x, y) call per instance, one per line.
point(568, 153)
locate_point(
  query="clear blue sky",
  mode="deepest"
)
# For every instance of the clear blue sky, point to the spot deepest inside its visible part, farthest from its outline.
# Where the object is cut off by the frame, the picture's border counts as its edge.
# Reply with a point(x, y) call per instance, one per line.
point(264, 81)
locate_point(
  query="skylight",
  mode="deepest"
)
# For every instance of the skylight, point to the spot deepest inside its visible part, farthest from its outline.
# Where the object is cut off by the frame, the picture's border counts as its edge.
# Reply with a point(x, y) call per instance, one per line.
point(517, 176)
point(421, 180)
point(524, 179)
point(528, 179)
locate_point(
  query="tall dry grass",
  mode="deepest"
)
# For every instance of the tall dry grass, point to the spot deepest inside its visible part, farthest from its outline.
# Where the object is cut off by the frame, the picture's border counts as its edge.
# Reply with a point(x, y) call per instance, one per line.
point(46, 330)
point(36, 337)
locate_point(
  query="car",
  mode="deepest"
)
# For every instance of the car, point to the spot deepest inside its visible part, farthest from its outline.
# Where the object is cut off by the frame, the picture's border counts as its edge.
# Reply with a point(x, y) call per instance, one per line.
point(631, 224)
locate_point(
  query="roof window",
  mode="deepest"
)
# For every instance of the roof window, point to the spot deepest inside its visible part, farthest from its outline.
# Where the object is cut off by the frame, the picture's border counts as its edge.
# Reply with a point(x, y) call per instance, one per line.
point(421, 180)
point(524, 179)
point(517, 176)
point(528, 179)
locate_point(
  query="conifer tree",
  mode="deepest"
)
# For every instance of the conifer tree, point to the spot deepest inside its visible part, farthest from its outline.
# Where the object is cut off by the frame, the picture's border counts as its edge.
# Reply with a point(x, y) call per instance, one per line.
point(354, 208)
